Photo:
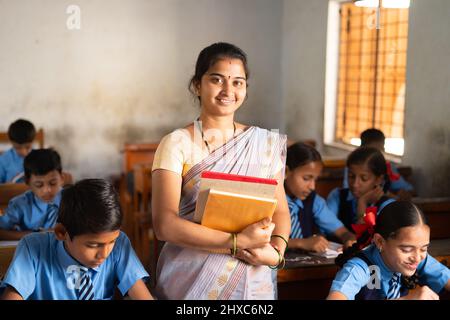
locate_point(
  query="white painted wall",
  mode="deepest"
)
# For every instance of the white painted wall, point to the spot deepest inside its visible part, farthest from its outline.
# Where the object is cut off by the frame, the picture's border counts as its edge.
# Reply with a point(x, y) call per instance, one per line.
point(427, 114)
point(123, 77)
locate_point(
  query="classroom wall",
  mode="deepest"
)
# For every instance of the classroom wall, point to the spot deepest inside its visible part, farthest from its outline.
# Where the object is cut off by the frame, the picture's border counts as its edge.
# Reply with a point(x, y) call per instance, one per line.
point(427, 119)
point(123, 76)
point(427, 126)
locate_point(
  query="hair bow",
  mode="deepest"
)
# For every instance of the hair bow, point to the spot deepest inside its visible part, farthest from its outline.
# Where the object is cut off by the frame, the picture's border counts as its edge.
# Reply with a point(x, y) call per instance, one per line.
point(367, 227)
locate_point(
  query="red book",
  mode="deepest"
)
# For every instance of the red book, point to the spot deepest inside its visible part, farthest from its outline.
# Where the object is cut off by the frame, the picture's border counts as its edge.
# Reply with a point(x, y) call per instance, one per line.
point(236, 177)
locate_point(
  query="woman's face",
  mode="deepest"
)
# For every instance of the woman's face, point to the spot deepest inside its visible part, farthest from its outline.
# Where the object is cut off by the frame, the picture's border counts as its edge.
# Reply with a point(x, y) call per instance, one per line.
point(302, 180)
point(223, 87)
point(362, 180)
point(404, 252)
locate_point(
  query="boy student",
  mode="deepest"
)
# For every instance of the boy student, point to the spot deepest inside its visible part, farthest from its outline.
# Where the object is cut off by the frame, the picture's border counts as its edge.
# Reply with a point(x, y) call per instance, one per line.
point(37, 208)
point(85, 258)
point(21, 134)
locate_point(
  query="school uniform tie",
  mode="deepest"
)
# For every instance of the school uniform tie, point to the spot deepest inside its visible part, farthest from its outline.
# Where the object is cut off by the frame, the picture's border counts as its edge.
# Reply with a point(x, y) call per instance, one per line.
point(394, 287)
point(86, 288)
point(52, 213)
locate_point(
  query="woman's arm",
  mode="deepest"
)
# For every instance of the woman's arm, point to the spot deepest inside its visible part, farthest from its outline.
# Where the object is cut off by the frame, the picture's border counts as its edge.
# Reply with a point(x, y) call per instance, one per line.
point(281, 217)
point(168, 226)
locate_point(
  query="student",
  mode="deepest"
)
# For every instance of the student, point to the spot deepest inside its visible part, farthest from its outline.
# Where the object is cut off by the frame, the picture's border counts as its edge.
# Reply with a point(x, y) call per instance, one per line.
point(303, 167)
point(188, 266)
point(85, 258)
point(37, 208)
point(21, 134)
point(398, 185)
point(368, 184)
point(396, 265)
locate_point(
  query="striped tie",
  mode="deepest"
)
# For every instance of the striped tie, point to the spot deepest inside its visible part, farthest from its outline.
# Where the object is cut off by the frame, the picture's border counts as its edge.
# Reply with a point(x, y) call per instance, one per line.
point(52, 214)
point(394, 287)
point(86, 288)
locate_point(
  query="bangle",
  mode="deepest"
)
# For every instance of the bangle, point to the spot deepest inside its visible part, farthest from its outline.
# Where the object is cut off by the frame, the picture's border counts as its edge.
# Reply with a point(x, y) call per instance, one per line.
point(234, 248)
point(281, 237)
point(281, 261)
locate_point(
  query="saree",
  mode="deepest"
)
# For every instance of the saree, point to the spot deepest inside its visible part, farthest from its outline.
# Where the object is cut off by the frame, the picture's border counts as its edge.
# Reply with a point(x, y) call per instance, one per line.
point(186, 273)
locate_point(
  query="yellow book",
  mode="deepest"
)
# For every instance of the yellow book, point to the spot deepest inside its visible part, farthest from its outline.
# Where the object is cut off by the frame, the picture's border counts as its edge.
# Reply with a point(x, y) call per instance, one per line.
point(232, 212)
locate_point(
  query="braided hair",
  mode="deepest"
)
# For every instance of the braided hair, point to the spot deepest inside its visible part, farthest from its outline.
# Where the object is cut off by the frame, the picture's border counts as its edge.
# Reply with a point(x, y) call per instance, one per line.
point(393, 217)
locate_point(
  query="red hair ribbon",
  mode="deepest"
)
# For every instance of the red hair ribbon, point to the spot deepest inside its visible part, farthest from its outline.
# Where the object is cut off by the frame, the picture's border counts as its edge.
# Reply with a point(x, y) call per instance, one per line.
point(392, 175)
point(369, 225)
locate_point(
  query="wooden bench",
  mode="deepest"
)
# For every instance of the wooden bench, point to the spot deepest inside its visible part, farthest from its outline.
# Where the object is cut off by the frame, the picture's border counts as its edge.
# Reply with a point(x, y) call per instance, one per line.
point(9, 191)
point(4, 139)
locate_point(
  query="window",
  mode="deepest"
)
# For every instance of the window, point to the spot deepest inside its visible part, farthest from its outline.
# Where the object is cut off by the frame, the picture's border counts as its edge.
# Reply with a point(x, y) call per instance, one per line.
point(370, 74)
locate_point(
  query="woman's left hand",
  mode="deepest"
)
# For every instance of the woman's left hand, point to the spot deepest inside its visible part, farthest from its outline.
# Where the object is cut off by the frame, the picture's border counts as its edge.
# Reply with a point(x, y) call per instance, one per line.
point(265, 255)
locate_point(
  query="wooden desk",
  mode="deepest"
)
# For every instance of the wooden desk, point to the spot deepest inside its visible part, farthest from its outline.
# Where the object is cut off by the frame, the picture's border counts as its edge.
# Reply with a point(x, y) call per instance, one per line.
point(9, 191)
point(305, 277)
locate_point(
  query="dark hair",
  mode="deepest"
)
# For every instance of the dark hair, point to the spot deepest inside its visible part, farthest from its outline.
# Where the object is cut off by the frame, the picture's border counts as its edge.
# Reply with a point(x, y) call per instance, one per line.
point(375, 162)
point(90, 206)
point(393, 217)
point(210, 55)
point(21, 131)
point(300, 154)
point(372, 136)
point(41, 161)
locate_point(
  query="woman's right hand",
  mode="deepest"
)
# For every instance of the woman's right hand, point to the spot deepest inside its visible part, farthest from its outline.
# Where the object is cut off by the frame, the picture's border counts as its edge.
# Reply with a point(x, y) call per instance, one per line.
point(255, 235)
point(421, 293)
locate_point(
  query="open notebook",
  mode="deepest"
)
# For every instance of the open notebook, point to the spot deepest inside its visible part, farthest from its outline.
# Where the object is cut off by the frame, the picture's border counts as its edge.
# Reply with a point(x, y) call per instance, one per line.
point(334, 249)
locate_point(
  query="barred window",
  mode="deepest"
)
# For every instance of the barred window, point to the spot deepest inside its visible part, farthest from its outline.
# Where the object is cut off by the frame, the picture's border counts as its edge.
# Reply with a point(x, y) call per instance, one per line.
point(371, 74)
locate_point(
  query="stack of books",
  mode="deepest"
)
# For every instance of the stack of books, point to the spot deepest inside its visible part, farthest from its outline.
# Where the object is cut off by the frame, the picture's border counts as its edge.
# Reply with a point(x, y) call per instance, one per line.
point(230, 202)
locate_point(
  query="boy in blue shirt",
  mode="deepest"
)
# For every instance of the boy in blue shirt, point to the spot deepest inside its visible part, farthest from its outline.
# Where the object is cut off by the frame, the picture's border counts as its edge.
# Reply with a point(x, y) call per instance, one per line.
point(21, 133)
point(85, 258)
point(37, 208)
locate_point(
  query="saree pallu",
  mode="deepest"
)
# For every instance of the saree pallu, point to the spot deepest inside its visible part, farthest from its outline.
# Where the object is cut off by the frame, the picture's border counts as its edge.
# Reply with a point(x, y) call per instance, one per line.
point(185, 273)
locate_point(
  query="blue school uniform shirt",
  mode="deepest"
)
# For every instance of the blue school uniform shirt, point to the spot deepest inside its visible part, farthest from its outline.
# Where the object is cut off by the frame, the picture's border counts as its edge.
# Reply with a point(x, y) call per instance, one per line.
point(42, 269)
point(395, 185)
point(333, 201)
point(355, 274)
point(28, 212)
point(11, 164)
point(323, 217)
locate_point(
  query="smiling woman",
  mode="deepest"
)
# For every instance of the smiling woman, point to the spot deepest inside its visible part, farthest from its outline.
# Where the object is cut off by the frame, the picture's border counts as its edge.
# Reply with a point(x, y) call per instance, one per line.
point(190, 266)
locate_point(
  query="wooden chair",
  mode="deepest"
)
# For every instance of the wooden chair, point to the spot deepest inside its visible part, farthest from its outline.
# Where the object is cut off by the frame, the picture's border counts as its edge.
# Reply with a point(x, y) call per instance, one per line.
point(4, 139)
point(9, 191)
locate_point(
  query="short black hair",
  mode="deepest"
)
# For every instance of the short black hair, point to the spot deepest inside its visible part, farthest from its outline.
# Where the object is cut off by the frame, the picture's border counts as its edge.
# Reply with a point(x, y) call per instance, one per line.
point(41, 161)
point(300, 154)
point(372, 136)
point(21, 131)
point(90, 206)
